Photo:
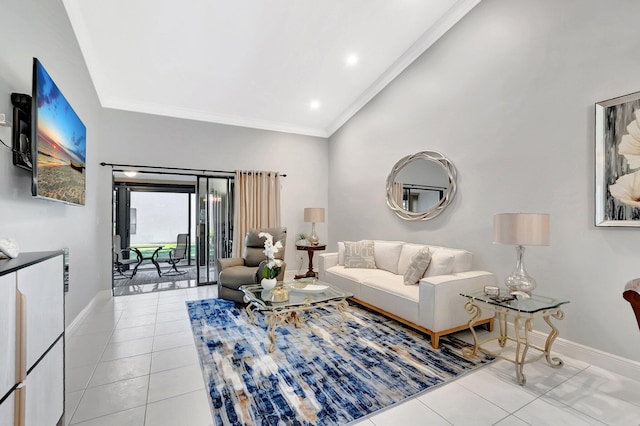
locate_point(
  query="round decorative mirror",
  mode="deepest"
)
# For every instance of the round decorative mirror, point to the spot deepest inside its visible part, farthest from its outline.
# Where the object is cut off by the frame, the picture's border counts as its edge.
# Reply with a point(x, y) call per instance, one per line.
point(420, 186)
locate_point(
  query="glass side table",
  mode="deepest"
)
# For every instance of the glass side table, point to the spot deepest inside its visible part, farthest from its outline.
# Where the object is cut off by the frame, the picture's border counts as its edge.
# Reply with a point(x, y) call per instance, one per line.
point(522, 313)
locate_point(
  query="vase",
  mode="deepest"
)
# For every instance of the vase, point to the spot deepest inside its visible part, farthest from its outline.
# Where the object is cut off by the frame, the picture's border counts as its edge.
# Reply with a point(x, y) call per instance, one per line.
point(279, 294)
point(268, 283)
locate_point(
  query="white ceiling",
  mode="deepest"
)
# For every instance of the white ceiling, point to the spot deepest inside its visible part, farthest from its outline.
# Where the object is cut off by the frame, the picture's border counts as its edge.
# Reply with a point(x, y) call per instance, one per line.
point(254, 63)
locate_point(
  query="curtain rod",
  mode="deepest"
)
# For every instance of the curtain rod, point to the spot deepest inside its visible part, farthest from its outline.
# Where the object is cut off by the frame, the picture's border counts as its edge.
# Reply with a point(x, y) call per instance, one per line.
point(171, 168)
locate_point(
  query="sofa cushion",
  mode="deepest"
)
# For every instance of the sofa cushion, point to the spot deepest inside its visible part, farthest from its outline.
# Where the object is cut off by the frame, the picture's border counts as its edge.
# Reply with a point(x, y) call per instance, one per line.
point(341, 253)
point(350, 279)
point(441, 263)
point(359, 254)
point(462, 259)
point(358, 274)
point(388, 292)
point(417, 267)
point(387, 254)
point(344, 278)
point(408, 251)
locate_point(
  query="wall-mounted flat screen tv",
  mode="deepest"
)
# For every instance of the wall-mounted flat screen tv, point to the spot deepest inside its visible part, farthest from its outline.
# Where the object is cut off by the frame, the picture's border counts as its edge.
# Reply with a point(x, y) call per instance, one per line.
point(59, 153)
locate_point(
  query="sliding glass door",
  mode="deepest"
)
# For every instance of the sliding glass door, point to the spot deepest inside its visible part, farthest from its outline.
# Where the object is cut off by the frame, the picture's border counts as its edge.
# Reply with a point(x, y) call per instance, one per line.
point(149, 212)
point(215, 225)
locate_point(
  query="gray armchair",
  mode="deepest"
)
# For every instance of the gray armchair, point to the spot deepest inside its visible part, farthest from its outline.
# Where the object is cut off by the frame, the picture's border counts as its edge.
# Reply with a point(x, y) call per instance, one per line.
point(237, 271)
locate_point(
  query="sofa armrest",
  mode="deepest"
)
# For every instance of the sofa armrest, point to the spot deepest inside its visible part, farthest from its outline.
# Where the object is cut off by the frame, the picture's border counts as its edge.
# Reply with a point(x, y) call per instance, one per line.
point(326, 261)
point(228, 262)
point(440, 305)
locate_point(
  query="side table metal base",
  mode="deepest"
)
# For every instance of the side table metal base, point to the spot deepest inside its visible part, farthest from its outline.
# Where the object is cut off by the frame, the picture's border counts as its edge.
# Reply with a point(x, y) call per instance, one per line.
point(522, 325)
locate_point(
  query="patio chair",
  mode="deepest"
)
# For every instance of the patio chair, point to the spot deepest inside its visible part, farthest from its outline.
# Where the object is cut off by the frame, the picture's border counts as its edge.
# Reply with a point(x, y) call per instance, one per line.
point(176, 255)
point(122, 259)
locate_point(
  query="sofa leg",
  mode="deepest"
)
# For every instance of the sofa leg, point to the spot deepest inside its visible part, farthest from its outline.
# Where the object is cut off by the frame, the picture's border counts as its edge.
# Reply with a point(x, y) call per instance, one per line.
point(435, 340)
point(490, 325)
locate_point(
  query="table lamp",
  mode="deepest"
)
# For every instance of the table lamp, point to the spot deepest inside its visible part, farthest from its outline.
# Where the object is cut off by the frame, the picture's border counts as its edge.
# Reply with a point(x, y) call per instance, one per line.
point(521, 229)
point(313, 215)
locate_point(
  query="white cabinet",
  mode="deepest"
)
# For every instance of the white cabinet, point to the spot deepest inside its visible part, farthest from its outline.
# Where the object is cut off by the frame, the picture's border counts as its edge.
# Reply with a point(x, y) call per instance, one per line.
point(7, 333)
point(44, 389)
point(42, 287)
point(6, 410)
point(32, 340)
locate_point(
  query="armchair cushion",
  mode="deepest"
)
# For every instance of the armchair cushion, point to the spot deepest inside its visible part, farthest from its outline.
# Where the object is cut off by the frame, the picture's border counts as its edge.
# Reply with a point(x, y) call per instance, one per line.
point(229, 262)
point(254, 245)
point(238, 275)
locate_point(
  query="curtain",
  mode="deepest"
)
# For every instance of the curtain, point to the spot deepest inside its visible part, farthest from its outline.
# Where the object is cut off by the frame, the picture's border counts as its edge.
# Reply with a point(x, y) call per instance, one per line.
point(257, 204)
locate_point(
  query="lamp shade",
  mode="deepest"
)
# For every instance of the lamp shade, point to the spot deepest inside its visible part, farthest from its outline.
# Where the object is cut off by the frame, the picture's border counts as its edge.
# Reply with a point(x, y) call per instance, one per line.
point(521, 229)
point(314, 214)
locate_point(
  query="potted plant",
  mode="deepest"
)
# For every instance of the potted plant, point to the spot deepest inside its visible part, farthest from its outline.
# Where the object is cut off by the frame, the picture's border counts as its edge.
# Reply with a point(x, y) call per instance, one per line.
point(301, 239)
point(272, 268)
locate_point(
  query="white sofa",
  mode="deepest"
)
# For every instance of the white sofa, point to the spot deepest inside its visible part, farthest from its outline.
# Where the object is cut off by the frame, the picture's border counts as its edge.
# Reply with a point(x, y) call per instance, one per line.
point(433, 306)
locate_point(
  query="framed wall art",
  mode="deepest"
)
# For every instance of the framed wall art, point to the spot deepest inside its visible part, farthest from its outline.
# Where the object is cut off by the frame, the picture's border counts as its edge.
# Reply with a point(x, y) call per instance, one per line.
point(618, 161)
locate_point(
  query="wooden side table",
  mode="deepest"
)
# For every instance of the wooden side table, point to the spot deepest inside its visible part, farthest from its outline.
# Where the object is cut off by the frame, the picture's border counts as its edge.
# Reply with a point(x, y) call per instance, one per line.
point(310, 250)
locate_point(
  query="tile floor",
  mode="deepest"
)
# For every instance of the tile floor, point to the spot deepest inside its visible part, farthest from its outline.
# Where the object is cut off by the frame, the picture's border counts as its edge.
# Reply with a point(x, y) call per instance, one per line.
point(133, 362)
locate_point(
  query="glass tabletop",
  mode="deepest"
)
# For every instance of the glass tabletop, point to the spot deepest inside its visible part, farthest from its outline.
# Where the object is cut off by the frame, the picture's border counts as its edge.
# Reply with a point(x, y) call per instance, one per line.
point(301, 292)
point(533, 304)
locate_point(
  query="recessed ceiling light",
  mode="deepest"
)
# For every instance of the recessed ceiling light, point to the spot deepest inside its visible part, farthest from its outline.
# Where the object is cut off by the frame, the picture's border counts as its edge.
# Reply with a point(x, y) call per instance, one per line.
point(314, 104)
point(352, 60)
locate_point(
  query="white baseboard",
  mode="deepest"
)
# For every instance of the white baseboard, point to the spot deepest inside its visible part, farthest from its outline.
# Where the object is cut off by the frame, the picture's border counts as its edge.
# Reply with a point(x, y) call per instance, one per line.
point(71, 328)
point(614, 363)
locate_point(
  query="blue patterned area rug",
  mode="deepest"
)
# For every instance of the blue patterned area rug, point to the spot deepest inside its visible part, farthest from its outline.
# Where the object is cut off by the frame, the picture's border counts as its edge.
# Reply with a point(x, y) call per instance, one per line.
point(315, 376)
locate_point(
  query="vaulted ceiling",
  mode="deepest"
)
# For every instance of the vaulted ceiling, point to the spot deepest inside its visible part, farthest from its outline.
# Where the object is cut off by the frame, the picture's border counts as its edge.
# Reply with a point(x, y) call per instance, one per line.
point(298, 66)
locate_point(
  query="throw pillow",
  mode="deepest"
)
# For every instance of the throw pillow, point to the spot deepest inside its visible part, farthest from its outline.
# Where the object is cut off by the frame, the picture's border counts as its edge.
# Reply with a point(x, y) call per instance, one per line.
point(408, 251)
point(418, 265)
point(359, 254)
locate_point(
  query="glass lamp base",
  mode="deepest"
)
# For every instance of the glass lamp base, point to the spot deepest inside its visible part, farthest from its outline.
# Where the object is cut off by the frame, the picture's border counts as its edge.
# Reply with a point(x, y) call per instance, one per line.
point(313, 238)
point(523, 283)
point(519, 280)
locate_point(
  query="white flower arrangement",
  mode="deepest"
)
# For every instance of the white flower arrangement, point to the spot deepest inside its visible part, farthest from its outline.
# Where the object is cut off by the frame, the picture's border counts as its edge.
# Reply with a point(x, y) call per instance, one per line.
point(274, 266)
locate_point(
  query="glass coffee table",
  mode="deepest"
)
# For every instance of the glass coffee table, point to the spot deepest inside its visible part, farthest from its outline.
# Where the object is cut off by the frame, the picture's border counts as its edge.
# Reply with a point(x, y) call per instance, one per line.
point(304, 299)
point(521, 313)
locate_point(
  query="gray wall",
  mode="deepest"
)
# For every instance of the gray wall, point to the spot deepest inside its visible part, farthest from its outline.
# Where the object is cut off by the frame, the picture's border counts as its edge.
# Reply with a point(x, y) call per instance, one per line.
point(32, 28)
point(162, 141)
point(40, 28)
point(508, 95)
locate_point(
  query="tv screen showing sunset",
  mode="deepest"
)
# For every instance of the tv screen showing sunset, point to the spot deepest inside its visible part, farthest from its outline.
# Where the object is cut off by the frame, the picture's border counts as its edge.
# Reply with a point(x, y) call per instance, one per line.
point(61, 144)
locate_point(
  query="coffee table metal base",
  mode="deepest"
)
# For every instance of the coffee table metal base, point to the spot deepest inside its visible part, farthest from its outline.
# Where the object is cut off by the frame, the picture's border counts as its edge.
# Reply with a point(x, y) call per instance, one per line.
point(296, 315)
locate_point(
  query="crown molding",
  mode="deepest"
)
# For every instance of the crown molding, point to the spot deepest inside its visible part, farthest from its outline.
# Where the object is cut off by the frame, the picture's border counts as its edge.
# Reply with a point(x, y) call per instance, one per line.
point(192, 114)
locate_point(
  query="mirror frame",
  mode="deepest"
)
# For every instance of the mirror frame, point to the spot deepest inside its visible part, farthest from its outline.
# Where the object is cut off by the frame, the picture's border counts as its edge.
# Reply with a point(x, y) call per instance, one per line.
point(447, 197)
